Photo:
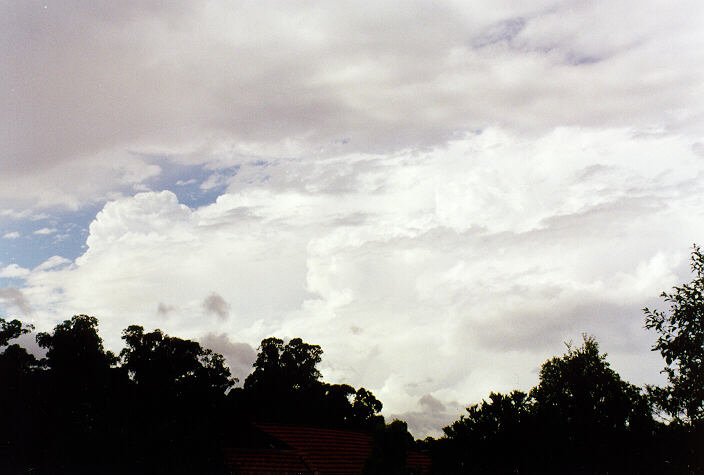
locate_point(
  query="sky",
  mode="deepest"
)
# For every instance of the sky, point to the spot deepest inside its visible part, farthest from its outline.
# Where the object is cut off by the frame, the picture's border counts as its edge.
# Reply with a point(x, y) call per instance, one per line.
point(440, 194)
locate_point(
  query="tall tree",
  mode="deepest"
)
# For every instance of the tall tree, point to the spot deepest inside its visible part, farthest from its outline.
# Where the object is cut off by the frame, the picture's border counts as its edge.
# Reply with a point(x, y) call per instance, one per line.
point(20, 385)
point(177, 388)
point(292, 366)
point(681, 344)
point(285, 386)
point(82, 406)
point(584, 409)
point(164, 365)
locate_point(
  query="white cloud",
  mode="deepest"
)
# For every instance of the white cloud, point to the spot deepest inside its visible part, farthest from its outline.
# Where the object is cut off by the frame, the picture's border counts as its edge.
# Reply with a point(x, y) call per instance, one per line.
point(45, 231)
point(11, 235)
point(52, 263)
point(13, 271)
point(451, 271)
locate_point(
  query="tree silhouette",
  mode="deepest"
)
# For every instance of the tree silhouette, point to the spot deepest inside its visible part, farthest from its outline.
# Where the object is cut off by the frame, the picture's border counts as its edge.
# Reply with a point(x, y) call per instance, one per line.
point(390, 446)
point(285, 387)
point(178, 389)
point(585, 409)
point(20, 387)
point(83, 404)
point(491, 438)
point(292, 366)
point(9, 330)
point(681, 344)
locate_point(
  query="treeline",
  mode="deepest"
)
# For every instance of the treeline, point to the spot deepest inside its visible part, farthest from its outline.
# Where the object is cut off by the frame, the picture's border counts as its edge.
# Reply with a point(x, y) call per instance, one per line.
point(168, 405)
point(163, 405)
point(583, 418)
point(580, 418)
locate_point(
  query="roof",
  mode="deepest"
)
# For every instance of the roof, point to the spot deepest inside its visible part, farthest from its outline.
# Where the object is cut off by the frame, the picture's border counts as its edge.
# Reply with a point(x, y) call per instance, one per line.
point(311, 450)
point(266, 461)
point(325, 450)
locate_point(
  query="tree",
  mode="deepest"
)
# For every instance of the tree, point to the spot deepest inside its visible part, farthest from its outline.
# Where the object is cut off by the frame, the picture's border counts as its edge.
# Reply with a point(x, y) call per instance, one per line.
point(82, 421)
point(491, 437)
point(9, 330)
point(285, 387)
point(20, 385)
point(292, 366)
point(178, 390)
point(681, 344)
point(390, 446)
point(164, 365)
point(585, 411)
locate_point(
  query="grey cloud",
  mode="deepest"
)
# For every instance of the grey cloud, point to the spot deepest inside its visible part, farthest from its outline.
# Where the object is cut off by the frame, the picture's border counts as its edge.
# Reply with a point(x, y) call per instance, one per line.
point(29, 342)
point(217, 305)
point(505, 30)
point(431, 404)
point(15, 297)
point(239, 356)
point(164, 309)
point(432, 416)
point(551, 324)
point(92, 83)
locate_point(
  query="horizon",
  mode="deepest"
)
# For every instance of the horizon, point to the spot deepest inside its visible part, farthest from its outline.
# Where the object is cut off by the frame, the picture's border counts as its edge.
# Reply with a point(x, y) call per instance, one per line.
point(440, 196)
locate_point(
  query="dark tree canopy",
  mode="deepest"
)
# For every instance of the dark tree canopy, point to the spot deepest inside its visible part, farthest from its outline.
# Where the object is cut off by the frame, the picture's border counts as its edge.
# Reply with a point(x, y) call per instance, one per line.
point(9, 330)
point(681, 344)
point(168, 365)
point(390, 446)
point(290, 366)
point(285, 386)
point(75, 345)
point(490, 438)
point(580, 418)
point(580, 390)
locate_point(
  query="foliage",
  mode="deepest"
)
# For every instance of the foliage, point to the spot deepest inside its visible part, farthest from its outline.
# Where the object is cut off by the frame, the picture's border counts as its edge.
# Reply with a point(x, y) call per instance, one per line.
point(285, 387)
point(390, 446)
point(581, 391)
point(292, 366)
point(487, 430)
point(681, 344)
point(585, 410)
point(9, 330)
point(163, 364)
point(581, 417)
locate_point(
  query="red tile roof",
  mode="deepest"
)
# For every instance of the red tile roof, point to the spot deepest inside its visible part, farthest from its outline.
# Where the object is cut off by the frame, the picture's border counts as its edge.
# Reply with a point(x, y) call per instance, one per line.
point(266, 461)
point(325, 450)
point(312, 451)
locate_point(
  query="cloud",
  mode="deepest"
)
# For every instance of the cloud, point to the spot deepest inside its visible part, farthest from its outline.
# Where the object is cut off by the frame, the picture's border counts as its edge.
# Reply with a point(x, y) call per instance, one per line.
point(16, 298)
point(14, 271)
point(438, 194)
point(239, 356)
point(52, 263)
point(217, 305)
point(45, 231)
point(319, 81)
point(430, 416)
point(11, 235)
point(452, 271)
point(163, 309)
